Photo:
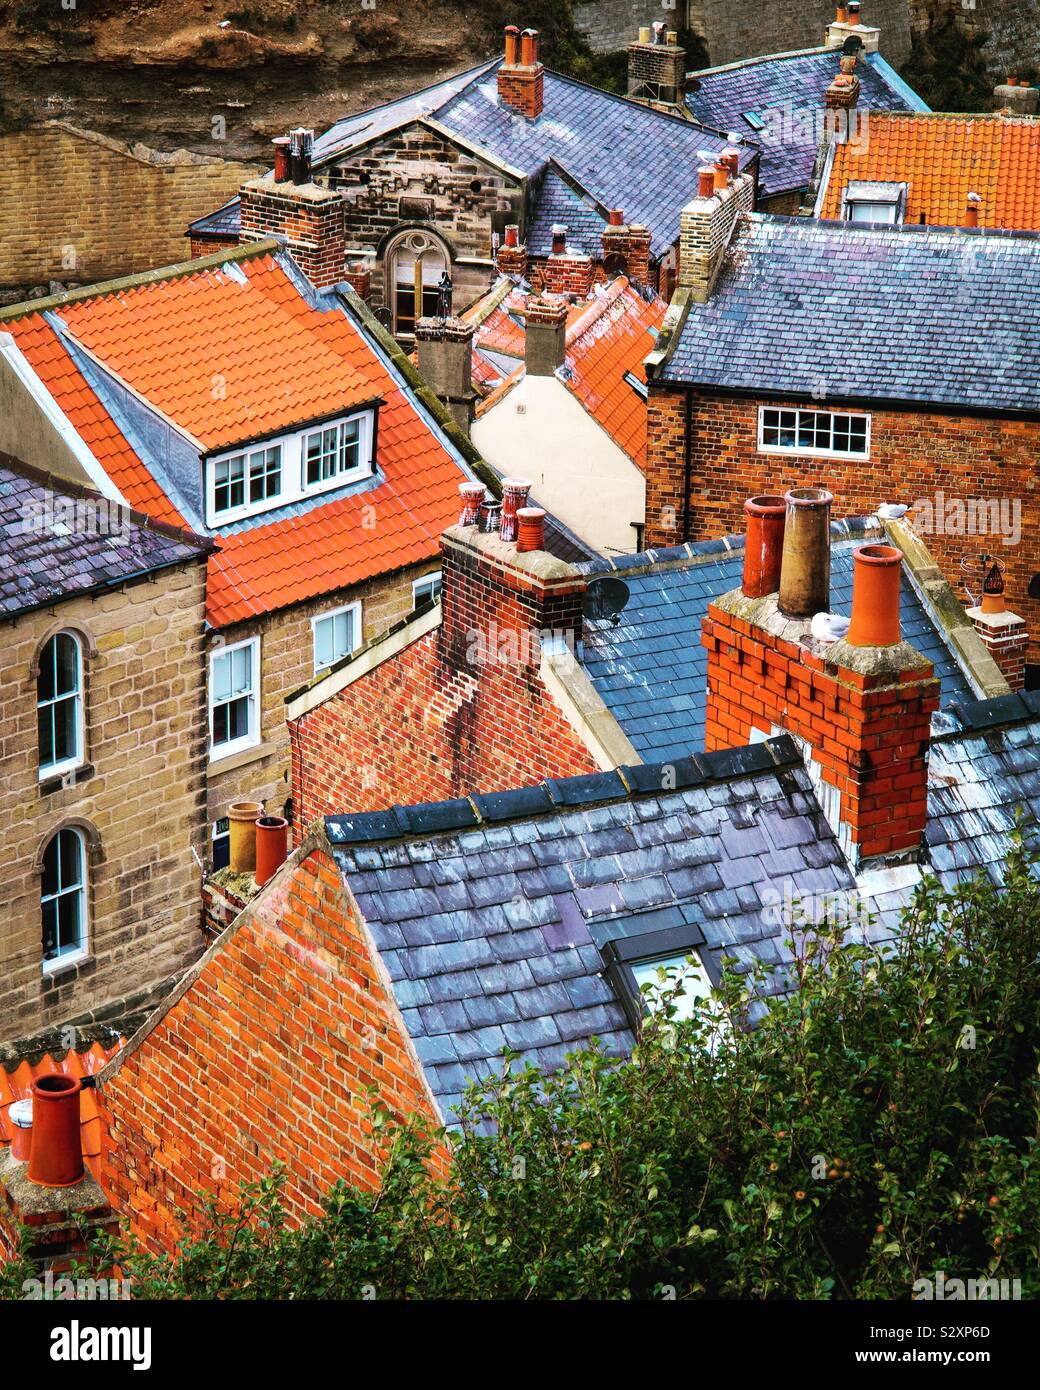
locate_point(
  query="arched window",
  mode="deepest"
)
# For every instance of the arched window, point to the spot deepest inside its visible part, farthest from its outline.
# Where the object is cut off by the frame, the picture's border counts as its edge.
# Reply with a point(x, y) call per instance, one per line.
point(416, 261)
point(59, 704)
point(63, 898)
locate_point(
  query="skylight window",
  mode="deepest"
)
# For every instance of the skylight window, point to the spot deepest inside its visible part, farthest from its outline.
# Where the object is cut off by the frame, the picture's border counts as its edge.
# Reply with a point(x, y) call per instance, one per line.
point(651, 969)
point(639, 387)
point(870, 201)
point(753, 119)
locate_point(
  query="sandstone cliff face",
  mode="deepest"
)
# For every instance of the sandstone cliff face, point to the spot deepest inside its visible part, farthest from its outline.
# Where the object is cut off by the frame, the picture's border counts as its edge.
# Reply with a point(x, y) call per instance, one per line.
point(167, 71)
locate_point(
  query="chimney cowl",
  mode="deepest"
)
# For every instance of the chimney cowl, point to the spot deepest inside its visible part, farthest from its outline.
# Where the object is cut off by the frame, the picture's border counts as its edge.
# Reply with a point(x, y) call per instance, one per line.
point(659, 27)
point(56, 1150)
point(529, 48)
point(301, 144)
point(763, 545)
point(805, 571)
point(875, 596)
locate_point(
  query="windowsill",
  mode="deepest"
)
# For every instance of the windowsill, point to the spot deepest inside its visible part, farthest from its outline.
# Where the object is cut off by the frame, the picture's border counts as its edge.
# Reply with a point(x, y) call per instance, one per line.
point(813, 453)
point(55, 781)
point(227, 762)
point(53, 969)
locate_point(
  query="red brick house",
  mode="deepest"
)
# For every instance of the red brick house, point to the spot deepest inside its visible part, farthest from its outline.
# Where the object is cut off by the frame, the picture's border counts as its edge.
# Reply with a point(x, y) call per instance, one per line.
point(892, 364)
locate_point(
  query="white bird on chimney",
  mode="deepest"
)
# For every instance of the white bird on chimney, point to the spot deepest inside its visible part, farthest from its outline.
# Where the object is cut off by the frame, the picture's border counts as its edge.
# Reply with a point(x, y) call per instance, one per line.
point(892, 511)
point(829, 627)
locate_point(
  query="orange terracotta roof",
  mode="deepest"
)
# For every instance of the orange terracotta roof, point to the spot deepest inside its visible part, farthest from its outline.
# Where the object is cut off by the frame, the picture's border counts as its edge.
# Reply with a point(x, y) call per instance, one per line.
point(52, 364)
point(280, 363)
point(612, 338)
point(503, 330)
point(17, 1085)
point(943, 158)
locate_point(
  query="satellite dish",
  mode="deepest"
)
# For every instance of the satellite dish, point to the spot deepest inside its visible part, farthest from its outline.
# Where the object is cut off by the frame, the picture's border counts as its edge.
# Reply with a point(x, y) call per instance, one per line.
point(852, 45)
point(1034, 586)
point(605, 599)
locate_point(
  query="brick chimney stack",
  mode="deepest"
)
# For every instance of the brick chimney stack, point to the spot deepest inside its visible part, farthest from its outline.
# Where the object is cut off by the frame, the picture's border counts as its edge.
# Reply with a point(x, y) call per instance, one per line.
point(1004, 634)
point(307, 217)
point(512, 257)
point(626, 249)
point(706, 225)
point(861, 706)
point(657, 68)
point(546, 326)
point(566, 271)
point(848, 23)
point(521, 78)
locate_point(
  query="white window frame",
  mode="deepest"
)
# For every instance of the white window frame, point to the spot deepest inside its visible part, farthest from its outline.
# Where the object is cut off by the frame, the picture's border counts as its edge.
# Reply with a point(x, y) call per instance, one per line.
point(892, 220)
point(80, 952)
point(66, 765)
point(252, 738)
point(799, 411)
point(424, 582)
point(294, 485)
point(354, 609)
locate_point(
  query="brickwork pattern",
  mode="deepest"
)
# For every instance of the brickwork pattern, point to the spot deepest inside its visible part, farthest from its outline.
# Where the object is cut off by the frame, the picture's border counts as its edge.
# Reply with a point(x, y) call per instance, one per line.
point(706, 226)
point(309, 217)
point(523, 88)
point(1008, 646)
point(80, 208)
point(142, 792)
point(268, 1055)
point(869, 734)
point(913, 457)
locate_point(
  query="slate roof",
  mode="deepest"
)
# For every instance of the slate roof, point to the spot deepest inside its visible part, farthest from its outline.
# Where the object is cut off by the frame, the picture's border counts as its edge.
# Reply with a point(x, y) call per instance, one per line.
point(490, 913)
point(928, 316)
point(651, 670)
point(558, 203)
point(623, 154)
point(45, 559)
point(943, 158)
point(792, 83)
point(124, 361)
point(221, 225)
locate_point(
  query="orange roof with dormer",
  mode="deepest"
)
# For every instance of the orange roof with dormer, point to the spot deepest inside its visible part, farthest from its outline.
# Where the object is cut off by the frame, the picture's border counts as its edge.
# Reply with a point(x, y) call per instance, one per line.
point(941, 159)
point(229, 353)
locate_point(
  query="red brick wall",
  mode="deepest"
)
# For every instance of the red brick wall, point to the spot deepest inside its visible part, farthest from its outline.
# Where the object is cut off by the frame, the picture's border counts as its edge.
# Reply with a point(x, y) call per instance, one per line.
point(912, 455)
point(209, 246)
point(523, 89)
point(266, 1056)
point(869, 734)
point(311, 220)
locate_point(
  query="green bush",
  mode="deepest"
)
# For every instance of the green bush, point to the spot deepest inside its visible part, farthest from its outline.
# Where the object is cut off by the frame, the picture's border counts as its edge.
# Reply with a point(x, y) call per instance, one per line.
point(878, 1125)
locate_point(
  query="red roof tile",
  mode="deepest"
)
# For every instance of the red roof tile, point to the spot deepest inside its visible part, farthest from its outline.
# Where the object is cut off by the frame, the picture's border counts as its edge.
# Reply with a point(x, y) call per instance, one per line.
point(942, 158)
point(17, 1085)
point(280, 363)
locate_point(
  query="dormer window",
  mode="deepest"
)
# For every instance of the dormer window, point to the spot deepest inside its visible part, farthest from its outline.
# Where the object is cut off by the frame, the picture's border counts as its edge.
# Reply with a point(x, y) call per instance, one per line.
point(652, 967)
point(252, 479)
point(874, 202)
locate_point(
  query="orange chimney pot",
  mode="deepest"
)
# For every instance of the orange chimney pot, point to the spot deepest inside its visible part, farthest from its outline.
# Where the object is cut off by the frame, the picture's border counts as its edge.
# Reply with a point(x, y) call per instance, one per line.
point(56, 1152)
point(763, 545)
point(875, 596)
point(272, 839)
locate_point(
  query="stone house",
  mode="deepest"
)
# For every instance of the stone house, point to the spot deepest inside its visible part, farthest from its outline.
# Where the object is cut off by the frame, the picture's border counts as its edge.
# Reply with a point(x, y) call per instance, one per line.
point(229, 396)
point(102, 772)
point(911, 385)
point(426, 185)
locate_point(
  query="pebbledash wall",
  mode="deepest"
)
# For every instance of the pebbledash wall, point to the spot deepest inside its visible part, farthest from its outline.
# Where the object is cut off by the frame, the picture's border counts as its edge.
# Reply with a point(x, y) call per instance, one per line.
point(79, 207)
point(735, 29)
point(914, 457)
point(138, 801)
point(287, 662)
point(460, 709)
point(265, 1052)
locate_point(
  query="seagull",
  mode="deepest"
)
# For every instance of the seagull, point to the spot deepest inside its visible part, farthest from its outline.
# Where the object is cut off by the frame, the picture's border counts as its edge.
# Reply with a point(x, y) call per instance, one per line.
point(829, 627)
point(892, 511)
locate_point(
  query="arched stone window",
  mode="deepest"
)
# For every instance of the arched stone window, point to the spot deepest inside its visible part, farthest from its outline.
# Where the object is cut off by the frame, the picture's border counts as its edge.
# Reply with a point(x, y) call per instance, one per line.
point(415, 262)
point(63, 897)
point(59, 704)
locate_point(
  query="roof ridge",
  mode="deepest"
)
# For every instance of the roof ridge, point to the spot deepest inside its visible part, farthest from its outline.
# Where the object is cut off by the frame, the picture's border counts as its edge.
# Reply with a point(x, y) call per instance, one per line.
point(596, 308)
point(142, 277)
point(555, 796)
point(763, 58)
point(885, 228)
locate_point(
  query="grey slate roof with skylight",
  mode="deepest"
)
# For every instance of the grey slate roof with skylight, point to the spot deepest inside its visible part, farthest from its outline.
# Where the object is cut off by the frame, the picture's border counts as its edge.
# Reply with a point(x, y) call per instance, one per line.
point(493, 929)
point(791, 86)
point(651, 670)
point(907, 314)
point(50, 554)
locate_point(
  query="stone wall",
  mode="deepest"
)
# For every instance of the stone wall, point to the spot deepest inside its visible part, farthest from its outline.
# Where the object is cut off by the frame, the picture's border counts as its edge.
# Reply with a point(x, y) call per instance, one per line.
point(945, 460)
point(79, 208)
point(140, 796)
point(287, 663)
